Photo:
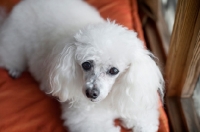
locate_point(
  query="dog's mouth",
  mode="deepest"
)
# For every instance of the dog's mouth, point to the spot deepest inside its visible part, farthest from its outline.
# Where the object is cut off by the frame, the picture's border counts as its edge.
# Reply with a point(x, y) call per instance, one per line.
point(95, 100)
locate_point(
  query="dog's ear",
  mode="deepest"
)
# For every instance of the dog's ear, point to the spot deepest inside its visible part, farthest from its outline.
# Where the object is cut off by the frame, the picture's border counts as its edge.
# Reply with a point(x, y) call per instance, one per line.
point(64, 73)
point(140, 83)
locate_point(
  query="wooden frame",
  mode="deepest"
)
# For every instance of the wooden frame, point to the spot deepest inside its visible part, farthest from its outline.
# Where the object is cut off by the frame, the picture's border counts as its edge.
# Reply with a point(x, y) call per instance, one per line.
point(181, 64)
point(183, 67)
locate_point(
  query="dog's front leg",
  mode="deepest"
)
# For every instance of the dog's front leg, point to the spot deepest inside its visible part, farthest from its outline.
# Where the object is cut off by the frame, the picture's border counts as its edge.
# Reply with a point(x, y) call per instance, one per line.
point(80, 119)
point(141, 124)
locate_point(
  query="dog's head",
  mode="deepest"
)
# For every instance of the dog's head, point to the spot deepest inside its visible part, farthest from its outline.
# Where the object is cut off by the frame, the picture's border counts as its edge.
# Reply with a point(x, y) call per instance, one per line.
point(108, 57)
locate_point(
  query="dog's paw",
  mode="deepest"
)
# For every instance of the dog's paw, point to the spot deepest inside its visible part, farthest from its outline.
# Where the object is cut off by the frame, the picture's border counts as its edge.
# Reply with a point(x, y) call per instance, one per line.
point(117, 129)
point(14, 73)
point(127, 124)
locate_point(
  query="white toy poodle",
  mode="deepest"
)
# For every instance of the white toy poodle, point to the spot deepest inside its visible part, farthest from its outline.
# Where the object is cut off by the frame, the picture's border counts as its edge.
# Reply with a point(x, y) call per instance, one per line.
point(99, 70)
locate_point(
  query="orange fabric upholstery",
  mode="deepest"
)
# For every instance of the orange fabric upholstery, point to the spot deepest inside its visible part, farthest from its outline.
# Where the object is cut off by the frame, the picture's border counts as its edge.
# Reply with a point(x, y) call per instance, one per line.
point(23, 107)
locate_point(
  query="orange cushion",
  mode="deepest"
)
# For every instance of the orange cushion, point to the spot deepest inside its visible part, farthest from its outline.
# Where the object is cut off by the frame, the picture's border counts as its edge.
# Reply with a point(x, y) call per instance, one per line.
point(23, 107)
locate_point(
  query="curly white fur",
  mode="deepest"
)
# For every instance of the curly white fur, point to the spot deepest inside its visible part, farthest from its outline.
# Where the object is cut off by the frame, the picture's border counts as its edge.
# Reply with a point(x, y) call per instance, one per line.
point(54, 38)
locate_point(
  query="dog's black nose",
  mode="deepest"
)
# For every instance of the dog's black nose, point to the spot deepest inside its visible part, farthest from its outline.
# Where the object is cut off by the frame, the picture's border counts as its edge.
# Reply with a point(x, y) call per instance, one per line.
point(92, 93)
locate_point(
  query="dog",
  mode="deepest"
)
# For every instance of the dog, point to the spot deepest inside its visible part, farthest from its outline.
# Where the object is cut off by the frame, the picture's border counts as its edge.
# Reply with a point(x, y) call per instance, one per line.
point(99, 70)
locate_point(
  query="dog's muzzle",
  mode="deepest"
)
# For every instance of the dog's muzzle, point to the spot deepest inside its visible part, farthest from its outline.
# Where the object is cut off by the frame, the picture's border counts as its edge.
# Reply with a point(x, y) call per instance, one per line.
point(92, 93)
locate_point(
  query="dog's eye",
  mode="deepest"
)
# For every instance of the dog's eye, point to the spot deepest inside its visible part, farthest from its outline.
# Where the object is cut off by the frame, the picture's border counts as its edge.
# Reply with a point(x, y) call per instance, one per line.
point(113, 71)
point(86, 66)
